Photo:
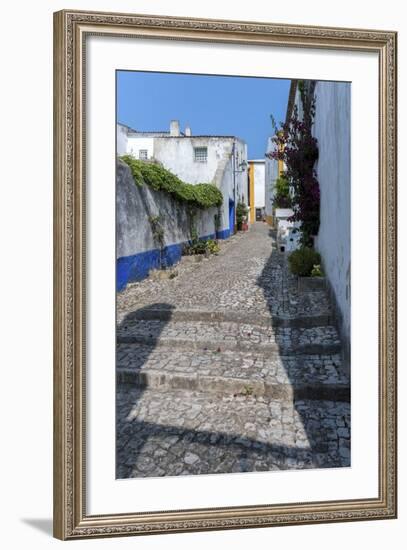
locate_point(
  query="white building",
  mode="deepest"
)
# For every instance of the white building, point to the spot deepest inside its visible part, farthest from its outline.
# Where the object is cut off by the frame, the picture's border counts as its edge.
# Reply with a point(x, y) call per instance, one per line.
point(138, 144)
point(332, 130)
point(257, 192)
point(220, 160)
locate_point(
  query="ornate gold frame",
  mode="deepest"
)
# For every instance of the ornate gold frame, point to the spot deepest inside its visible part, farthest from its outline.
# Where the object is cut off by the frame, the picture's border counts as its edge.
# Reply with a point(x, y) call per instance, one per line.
point(70, 31)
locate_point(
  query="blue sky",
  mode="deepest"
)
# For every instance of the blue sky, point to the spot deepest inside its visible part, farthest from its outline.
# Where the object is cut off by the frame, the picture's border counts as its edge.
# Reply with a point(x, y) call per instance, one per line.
point(220, 105)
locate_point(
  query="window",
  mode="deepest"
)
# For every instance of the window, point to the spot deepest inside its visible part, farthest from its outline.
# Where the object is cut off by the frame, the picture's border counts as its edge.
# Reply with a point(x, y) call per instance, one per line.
point(143, 154)
point(200, 154)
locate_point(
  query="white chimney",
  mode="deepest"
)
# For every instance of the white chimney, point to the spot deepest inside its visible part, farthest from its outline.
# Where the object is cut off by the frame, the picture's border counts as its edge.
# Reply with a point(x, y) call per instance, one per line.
point(188, 131)
point(174, 128)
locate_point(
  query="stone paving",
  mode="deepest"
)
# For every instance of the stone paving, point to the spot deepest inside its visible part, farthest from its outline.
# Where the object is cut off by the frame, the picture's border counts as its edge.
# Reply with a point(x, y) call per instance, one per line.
point(178, 432)
point(226, 335)
point(244, 277)
point(233, 372)
point(227, 367)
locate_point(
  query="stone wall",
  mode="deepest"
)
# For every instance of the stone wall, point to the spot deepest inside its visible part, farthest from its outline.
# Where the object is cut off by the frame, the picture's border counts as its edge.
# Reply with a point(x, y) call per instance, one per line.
point(137, 252)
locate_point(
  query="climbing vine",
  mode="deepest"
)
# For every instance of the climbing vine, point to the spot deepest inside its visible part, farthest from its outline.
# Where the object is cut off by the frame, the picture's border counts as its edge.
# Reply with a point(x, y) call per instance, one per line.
point(217, 220)
point(158, 235)
point(298, 148)
point(193, 230)
point(201, 195)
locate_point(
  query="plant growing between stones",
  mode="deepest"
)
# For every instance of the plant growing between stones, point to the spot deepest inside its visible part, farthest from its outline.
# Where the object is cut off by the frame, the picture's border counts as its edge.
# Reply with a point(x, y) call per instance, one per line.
point(217, 220)
point(207, 247)
point(158, 236)
point(212, 246)
point(193, 230)
point(195, 245)
point(193, 248)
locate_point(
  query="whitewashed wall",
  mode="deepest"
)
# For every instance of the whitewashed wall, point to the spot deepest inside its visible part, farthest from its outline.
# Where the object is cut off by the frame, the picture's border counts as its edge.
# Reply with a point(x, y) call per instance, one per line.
point(121, 139)
point(259, 185)
point(242, 175)
point(136, 143)
point(177, 155)
point(332, 129)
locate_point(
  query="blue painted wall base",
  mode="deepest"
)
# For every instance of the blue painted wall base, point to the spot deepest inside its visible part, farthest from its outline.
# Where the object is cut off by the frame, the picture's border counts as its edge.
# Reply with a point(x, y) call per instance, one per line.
point(136, 267)
point(223, 234)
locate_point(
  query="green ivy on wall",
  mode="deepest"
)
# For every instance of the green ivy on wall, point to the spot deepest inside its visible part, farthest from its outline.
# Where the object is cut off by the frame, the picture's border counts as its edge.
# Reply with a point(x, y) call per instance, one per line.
point(201, 195)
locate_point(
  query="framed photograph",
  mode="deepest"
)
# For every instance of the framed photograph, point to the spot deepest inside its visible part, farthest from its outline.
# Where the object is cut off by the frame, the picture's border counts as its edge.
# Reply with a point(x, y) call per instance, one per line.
point(225, 274)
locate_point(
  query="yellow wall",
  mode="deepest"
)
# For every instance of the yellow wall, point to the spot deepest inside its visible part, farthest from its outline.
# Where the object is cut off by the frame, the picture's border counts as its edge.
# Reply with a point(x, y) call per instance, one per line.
point(280, 162)
point(252, 214)
point(280, 167)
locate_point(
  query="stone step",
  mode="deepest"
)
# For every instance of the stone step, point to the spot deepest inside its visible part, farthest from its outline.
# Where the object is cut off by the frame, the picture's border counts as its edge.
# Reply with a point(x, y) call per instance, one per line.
point(182, 432)
point(224, 336)
point(210, 316)
point(233, 372)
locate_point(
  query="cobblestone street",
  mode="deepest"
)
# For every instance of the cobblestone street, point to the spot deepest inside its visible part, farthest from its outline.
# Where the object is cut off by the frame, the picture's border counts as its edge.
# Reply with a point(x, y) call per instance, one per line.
point(226, 367)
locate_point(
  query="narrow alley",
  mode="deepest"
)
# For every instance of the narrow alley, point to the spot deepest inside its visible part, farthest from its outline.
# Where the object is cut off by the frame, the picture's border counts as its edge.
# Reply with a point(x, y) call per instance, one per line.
point(224, 366)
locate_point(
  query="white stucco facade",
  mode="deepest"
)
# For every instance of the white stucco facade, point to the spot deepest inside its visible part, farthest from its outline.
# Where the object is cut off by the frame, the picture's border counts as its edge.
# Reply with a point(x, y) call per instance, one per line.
point(332, 129)
point(121, 139)
point(177, 154)
point(140, 147)
point(259, 183)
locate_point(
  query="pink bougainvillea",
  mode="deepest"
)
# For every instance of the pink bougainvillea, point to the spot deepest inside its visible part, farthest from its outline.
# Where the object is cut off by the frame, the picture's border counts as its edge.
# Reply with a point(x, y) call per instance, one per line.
point(298, 148)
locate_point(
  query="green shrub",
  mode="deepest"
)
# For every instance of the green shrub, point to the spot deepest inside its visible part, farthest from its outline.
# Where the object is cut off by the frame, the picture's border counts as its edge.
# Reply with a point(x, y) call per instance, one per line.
point(193, 248)
point(201, 195)
point(212, 246)
point(201, 247)
point(282, 198)
point(302, 261)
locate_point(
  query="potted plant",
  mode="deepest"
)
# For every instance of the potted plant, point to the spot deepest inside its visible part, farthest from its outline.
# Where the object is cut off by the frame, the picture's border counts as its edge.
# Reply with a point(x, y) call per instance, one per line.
point(241, 214)
point(305, 262)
